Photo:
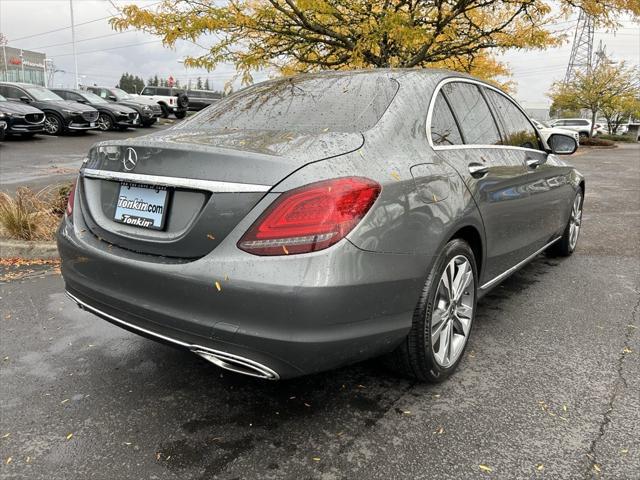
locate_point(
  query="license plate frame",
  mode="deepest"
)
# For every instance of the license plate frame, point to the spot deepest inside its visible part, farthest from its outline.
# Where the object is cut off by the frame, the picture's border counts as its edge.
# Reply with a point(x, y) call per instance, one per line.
point(130, 207)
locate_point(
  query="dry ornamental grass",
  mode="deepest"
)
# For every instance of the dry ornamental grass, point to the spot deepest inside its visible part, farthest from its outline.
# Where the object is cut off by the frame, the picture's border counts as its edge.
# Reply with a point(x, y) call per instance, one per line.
point(30, 215)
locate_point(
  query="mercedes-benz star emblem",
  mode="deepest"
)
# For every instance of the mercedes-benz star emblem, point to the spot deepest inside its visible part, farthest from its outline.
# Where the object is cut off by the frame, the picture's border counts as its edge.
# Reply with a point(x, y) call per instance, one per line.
point(130, 159)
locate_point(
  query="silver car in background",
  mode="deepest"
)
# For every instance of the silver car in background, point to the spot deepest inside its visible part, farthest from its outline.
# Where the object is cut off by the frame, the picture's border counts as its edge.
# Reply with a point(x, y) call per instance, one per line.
point(310, 222)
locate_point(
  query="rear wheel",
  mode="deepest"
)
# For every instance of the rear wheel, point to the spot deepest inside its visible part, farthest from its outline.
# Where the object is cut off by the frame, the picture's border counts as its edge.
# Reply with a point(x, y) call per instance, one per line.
point(53, 124)
point(105, 122)
point(443, 318)
point(165, 110)
point(569, 240)
point(181, 114)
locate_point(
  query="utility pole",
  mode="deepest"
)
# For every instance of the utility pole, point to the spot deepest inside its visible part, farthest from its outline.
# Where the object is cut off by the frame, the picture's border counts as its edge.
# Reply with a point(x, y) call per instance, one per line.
point(73, 42)
point(581, 60)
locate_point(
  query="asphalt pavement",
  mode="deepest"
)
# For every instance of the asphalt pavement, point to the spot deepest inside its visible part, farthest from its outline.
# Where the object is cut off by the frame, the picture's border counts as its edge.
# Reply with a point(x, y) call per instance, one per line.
point(45, 160)
point(548, 387)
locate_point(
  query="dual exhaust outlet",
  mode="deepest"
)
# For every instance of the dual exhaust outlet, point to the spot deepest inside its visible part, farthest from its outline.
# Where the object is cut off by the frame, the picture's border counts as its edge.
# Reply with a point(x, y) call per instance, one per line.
point(227, 361)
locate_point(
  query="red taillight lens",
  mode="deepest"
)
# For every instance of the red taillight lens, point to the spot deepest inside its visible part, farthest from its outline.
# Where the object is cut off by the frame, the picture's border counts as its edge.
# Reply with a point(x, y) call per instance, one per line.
point(311, 218)
point(71, 199)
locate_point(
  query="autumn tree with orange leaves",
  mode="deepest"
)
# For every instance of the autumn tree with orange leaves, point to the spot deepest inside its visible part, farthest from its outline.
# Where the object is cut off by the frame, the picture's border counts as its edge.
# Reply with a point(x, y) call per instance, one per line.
point(306, 35)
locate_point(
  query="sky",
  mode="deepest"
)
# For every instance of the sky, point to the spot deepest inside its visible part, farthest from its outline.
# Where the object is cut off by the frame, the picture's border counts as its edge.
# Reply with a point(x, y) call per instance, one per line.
point(102, 60)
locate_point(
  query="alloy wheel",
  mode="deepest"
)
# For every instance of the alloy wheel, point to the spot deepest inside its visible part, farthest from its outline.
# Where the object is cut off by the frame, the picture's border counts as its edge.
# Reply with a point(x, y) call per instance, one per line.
point(104, 123)
point(575, 221)
point(51, 125)
point(452, 311)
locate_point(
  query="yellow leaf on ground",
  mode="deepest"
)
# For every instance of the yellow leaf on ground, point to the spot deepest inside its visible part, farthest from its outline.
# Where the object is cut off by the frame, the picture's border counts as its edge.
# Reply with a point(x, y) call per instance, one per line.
point(316, 459)
point(218, 286)
point(485, 468)
point(540, 467)
point(596, 467)
point(69, 436)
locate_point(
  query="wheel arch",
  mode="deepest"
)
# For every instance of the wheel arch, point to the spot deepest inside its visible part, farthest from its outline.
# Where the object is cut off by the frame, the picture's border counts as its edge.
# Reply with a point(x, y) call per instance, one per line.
point(472, 236)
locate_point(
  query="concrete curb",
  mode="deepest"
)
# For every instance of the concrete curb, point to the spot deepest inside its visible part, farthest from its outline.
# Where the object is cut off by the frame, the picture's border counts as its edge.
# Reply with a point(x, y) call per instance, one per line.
point(24, 249)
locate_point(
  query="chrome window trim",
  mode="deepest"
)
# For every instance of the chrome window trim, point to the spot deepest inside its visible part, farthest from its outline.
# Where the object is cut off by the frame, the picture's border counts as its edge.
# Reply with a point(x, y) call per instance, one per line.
point(511, 270)
point(465, 146)
point(191, 183)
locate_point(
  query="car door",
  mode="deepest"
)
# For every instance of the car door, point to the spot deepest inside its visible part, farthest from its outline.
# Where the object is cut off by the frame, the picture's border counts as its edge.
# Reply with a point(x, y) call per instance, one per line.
point(547, 180)
point(494, 178)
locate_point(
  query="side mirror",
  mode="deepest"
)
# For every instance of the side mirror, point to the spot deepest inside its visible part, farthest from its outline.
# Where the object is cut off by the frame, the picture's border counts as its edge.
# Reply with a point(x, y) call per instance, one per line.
point(82, 101)
point(562, 144)
point(112, 98)
point(25, 99)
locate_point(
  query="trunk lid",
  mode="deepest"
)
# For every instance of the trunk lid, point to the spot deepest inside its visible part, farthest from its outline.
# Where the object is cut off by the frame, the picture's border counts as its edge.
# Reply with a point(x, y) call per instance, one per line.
point(213, 179)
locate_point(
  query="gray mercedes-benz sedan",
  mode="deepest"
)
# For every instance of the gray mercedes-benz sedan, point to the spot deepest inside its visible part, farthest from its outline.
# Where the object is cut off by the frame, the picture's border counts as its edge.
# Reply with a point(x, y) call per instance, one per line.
point(314, 221)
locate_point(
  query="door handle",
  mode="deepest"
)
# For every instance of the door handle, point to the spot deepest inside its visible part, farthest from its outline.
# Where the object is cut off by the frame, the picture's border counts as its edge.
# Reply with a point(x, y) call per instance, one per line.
point(533, 162)
point(477, 169)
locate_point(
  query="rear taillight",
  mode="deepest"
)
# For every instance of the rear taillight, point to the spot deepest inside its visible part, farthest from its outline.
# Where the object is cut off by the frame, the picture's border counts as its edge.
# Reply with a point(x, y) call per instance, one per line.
point(311, 218)
point(171, 101)
point(71, 199)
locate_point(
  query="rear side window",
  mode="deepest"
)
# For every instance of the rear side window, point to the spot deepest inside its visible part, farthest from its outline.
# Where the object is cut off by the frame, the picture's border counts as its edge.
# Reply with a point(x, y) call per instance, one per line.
point(444, 130)
point(473, 114)
point(516, 126)
point(312, 103)
point(163, 91)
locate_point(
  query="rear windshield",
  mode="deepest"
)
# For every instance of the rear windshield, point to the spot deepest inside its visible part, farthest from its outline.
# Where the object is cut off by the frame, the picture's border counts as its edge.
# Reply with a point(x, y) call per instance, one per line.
point(337, 103)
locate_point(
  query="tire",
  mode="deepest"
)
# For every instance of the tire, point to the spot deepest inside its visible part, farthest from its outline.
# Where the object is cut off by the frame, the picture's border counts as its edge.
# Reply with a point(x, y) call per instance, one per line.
point(181, 114)
point(420, 357)
point(182, 101)
point(569, 240)
point(165, 110)
point(583, 135)
point(105, 122)
point(148, 123)
point(53, 124)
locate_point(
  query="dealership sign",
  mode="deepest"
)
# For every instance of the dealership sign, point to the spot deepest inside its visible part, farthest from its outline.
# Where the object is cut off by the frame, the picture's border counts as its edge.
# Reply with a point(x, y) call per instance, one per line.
point(27, 63)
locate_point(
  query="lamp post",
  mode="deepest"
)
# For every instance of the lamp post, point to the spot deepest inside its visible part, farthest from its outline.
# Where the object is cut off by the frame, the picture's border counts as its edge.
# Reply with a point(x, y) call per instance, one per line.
point(73, 42)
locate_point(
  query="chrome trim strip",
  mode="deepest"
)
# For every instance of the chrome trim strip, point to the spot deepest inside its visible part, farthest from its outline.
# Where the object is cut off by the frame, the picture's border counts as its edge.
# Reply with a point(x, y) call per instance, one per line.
point(492, 282)
point(208, 353)
point(464, 147)
point(210, 185)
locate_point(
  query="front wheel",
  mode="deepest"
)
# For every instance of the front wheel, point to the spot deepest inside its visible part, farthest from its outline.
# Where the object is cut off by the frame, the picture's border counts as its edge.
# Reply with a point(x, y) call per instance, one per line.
point(53, 124)
point(105, 122)
point(569, 240)
point(443, 318)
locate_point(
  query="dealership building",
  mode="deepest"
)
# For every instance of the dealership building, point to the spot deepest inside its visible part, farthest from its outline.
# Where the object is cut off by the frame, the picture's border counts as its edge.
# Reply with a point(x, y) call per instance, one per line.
point(18, 65)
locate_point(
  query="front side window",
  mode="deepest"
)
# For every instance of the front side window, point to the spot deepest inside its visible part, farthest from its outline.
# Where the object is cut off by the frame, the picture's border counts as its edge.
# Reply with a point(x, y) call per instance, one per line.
point(148, 91)
point(473, 114)
point(444, 130)
point(517, 129)
point(11, 92)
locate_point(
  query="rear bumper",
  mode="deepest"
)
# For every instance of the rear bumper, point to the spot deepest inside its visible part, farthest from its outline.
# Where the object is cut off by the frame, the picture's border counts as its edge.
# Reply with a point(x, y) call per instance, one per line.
point(289, 315)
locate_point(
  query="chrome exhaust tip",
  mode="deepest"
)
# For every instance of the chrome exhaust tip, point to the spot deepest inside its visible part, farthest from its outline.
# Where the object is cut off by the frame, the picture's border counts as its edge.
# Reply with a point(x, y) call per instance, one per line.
point(238, 364)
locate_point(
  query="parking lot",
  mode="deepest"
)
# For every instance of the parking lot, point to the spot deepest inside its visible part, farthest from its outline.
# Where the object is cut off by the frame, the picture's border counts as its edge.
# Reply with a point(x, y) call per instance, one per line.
point(548, 387)
point(44, 160)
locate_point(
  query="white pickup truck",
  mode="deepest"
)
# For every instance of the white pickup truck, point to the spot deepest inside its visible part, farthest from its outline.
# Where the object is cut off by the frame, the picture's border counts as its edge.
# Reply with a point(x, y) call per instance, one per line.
point(171, 100)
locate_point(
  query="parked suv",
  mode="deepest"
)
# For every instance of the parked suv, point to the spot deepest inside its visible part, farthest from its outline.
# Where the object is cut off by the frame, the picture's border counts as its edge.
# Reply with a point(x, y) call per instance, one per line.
point(199, 99)
point(580, 125)
point(60, 115)
point(546, 131)
point(171, 100)
point(148, 110)
point(20, 119)
point(112, 116)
